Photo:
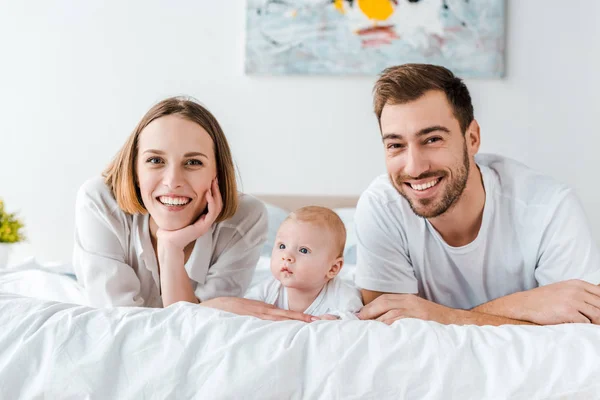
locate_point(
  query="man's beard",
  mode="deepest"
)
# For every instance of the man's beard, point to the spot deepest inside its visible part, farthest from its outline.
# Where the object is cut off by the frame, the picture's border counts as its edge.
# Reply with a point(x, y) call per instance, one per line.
point(454, 189)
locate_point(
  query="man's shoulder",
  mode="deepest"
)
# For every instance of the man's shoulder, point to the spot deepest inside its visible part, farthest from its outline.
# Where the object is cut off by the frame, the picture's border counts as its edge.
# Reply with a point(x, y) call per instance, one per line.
point(515, 182)
point(382, 197)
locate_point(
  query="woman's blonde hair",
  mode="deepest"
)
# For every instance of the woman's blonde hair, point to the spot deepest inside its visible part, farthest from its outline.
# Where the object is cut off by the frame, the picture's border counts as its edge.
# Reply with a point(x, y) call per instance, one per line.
point(121, 176)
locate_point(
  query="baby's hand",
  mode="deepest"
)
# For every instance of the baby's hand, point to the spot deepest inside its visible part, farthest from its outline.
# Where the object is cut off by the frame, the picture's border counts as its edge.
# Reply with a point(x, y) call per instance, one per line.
point(329, 317)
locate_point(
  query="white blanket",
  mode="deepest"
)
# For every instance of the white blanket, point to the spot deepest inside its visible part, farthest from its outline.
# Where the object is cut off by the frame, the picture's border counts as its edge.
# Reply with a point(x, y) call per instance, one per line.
point(58, 350)
point(54, 282)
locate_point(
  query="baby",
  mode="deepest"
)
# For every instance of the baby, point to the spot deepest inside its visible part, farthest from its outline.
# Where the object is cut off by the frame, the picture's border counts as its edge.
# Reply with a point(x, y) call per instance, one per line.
point(306, 259)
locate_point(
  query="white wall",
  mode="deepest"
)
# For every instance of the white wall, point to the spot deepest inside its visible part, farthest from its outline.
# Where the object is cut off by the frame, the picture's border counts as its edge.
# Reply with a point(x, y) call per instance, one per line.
point(75, 77)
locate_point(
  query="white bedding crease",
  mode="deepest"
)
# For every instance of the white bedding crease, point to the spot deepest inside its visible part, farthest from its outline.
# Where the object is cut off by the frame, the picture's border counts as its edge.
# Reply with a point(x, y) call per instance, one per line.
point(59, 350)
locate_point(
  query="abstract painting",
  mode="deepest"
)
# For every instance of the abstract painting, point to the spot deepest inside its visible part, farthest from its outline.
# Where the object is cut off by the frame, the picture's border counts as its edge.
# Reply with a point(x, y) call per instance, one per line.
point(362, 37)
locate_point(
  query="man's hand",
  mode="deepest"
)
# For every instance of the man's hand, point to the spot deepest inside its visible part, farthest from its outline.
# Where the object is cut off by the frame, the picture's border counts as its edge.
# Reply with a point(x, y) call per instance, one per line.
point(388, 308)
point(557, 303)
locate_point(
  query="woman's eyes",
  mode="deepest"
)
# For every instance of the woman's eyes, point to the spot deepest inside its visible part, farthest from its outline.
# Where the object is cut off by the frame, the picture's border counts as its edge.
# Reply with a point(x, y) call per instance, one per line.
point(193, 162)
point(154, 160)
point(157, 160)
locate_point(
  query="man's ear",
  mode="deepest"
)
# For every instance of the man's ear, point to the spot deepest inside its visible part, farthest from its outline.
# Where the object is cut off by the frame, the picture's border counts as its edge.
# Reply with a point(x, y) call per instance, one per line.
point(336, 267)
point(473, 138)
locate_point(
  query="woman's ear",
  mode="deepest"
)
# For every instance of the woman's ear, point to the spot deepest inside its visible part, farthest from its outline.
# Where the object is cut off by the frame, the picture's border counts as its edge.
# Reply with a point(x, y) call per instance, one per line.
point(335, 268)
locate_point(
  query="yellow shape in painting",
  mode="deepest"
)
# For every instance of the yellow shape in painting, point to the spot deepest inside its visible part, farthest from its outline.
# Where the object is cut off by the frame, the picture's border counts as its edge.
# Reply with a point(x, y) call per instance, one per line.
point(379, 10)
point(339, 5)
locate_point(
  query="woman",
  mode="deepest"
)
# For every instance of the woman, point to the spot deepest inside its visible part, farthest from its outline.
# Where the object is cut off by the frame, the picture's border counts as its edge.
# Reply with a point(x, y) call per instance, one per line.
point(165, 223)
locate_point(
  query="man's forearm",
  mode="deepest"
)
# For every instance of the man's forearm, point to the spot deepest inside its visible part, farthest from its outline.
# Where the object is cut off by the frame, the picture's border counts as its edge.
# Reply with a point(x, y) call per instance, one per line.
point(571, 301)
point(508, 307)
point(388, 307)
point(465, 317)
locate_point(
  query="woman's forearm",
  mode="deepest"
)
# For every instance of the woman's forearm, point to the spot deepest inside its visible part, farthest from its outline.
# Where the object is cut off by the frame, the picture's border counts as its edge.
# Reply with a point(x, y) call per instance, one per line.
point(174, 280)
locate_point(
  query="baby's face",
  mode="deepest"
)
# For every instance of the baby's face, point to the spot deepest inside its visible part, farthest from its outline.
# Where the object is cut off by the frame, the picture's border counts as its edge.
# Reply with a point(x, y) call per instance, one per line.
point(303, 255)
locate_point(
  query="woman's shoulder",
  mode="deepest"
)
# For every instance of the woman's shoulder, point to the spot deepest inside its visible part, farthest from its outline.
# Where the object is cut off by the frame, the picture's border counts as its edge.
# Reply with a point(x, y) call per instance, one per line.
point(96, 192)
point(250, 212)
point(99, 222)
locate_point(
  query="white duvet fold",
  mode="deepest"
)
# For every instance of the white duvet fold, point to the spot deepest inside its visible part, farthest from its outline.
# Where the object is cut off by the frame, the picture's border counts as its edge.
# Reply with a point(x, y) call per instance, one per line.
point(57, 350)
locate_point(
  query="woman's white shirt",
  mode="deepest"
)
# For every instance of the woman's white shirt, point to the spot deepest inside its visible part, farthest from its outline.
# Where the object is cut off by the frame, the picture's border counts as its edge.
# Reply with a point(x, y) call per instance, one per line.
point(115, 262)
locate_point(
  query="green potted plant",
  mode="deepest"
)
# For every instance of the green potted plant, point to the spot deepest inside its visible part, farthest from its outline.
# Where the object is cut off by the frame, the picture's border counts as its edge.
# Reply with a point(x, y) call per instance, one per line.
point(11, 232)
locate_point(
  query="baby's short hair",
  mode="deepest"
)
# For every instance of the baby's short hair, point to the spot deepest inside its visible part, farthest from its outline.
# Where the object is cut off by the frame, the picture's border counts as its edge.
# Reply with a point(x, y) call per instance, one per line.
point(326, 218)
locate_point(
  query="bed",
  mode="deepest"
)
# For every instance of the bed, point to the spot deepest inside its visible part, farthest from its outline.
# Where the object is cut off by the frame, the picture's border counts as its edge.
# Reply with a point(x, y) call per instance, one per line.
point(55, 346)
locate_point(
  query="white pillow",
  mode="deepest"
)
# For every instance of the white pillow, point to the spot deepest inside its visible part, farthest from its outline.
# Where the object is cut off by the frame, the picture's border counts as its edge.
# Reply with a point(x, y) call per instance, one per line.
point(347, 217)
point(276, 216)
point(262, 272)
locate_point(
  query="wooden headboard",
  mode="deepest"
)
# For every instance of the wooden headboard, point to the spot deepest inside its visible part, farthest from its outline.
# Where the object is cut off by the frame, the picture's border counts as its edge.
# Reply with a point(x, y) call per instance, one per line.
point(291, 202)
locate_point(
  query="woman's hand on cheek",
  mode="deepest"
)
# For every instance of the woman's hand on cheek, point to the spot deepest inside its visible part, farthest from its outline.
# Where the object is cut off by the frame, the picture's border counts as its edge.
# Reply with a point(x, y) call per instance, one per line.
point(182, 237)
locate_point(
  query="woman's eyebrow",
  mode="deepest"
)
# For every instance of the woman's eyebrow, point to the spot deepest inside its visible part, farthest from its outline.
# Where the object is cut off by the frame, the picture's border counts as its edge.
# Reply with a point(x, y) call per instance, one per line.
point(195, 154)
point(190, 154)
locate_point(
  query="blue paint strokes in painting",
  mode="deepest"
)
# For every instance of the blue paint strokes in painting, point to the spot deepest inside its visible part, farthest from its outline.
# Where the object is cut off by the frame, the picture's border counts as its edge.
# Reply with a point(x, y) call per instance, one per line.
point(362, 37)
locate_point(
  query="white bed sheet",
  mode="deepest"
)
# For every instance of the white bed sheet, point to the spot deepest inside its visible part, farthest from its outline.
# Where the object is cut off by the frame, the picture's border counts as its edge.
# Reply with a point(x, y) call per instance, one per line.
point(60, 350)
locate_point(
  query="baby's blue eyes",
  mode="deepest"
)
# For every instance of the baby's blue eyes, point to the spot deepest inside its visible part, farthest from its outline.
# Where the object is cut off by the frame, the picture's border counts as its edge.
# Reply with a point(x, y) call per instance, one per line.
point(302, 250)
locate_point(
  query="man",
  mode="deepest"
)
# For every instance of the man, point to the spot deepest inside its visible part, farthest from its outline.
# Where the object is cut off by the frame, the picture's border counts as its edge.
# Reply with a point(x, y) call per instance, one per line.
point(458, 239)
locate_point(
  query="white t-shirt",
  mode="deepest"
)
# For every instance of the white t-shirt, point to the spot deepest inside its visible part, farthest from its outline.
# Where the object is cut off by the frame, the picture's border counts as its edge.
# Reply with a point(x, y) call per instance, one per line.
point(115, 262)
point(533, 232)
point(337, 297)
